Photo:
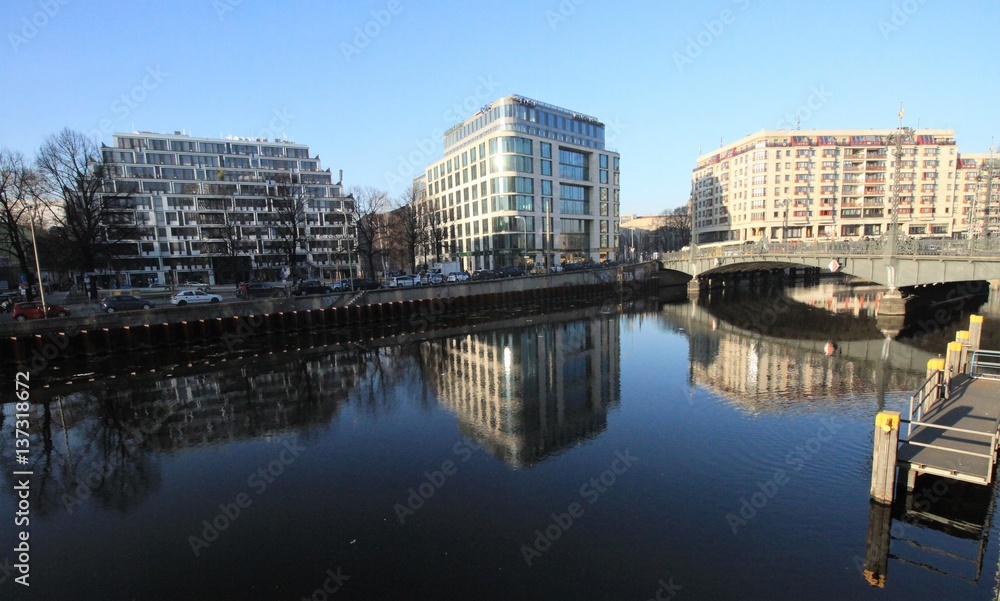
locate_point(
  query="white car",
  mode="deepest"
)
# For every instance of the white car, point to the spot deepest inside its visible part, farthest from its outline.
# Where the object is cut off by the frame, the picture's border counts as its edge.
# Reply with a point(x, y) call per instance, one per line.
point(458, 276)
point(185, 297)
point(404, 281)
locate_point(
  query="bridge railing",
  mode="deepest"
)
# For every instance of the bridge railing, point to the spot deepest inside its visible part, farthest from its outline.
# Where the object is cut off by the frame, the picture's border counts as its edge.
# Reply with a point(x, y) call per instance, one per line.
point(905, 246)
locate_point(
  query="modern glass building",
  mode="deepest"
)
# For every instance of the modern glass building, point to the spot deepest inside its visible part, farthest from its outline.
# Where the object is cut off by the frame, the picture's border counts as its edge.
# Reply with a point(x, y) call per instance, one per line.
point(211, 212)
point(523, 183)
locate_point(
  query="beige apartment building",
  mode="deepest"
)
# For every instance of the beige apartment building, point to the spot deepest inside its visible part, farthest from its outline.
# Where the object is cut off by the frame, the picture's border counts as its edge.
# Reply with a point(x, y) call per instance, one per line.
point(841, 184)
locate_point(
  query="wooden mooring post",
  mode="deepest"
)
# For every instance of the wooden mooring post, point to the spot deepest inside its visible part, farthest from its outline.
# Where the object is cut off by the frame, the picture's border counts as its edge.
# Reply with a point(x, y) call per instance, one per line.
point(884, 460)
point(975, 331)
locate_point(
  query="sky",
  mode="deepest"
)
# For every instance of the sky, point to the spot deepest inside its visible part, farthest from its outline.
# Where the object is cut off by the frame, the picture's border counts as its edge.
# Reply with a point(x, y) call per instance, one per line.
point(370, 86)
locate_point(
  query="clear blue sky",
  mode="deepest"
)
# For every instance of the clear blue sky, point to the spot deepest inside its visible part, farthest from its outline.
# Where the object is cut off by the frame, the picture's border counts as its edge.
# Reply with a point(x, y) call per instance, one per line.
point(667, 77)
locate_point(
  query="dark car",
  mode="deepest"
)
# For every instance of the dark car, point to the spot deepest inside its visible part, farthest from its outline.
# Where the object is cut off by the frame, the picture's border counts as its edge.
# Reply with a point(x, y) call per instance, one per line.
point(364, 284)
point(483, 274)
point(251, 290)
point(311, 287)
point(33, 310)
point(510, 272)
point(124, 302)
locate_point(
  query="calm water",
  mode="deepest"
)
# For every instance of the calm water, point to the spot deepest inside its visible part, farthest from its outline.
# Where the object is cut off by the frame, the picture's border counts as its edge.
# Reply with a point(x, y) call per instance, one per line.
point(718, 450)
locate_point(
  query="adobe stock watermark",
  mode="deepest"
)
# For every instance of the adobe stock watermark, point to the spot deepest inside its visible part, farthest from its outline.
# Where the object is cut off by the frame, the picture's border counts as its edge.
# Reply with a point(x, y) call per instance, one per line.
point(229, 513)
point(900, 15)
point(224, 7)
point(818, 97)
point(591, 490)
point(365, 34)
point(7, 570)
point(668, 590)
point(123, 105)
point(562, 12)
point(433, 481)
point(275, 129)
point(334, 581)
point(711, 31)
point(427, 148)
point(796, 459)
point(31, 25)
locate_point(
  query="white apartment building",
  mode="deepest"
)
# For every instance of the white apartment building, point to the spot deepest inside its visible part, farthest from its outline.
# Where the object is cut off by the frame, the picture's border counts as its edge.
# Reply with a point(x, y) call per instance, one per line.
point(524, 183)
point(841, 184)
point(208, 207)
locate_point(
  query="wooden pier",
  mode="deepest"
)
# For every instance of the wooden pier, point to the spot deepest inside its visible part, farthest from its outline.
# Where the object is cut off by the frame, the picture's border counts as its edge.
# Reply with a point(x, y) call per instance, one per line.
point(952, 432)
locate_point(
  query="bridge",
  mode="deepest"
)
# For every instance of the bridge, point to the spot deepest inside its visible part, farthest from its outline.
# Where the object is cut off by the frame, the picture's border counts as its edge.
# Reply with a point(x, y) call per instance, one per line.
point(892, 261)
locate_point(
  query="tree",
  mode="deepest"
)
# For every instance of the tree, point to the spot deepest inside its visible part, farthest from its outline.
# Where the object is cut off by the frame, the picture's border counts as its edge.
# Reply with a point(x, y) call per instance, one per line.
point(289, 216)
point(95, 212)
point(18, 190)
point(367, 206)
point(437, 234)
point(409, 227)
point(674, 228)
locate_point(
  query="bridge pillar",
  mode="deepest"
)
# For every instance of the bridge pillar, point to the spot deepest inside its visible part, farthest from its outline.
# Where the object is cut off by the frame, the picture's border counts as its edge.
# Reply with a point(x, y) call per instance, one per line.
point(694, 288)
point(993, 303)
point(892, 303)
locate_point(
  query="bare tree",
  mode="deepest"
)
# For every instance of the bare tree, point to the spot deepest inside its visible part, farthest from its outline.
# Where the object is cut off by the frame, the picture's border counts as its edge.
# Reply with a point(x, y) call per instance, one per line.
point(674, 228)
point(95, 213)
point(368, 205)
point(408, 228)
point(289, 218)
point(18, 189)
point(437, 235)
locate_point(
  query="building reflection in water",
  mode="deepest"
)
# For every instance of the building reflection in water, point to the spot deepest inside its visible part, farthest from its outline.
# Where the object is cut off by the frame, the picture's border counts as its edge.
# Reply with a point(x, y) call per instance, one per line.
point(101, 444)
point(759, 372)
point(524, 394)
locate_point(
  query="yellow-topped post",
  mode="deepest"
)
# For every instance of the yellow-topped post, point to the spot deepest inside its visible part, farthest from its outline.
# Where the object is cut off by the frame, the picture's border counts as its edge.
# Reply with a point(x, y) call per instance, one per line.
point(952, 363)
point(975, 331)
point(936, 366)
point(884, 458)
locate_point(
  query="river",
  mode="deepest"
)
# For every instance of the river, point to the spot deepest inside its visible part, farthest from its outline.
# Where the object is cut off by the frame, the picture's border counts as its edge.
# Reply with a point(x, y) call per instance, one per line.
point(710, 450)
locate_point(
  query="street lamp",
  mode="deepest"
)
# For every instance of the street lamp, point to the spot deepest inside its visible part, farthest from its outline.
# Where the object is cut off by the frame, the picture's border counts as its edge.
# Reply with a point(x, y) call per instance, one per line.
point(525, 238)
point(38, 269)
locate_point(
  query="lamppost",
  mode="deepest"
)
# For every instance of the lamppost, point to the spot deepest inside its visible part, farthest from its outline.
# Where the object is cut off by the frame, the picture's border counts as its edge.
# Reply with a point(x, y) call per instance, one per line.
point(525, 230)
point(38, 269)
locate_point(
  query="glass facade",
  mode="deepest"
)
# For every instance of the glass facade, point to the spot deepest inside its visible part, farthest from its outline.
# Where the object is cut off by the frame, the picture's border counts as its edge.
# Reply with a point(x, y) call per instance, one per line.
point(492, 156)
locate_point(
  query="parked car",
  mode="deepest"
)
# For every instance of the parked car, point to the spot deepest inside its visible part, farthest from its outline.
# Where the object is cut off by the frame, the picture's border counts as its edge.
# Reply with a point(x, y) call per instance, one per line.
point(124, 302)
point(341, 285)
point(33, 310)
point(185, 297)
point(310, 287)
point(366, 284)
point(404, 281)
point(458, 276)
point(483, 274)
point(251, 290)
point(509, 271)
point(434, 279)
point(195, 284)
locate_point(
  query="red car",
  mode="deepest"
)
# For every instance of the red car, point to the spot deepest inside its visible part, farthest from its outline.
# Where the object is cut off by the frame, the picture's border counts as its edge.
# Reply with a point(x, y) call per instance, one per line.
point(23, 311)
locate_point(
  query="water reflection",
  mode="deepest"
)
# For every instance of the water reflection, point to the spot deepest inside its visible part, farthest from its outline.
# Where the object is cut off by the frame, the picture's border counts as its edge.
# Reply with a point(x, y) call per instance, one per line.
point(767, 352)
point(527, 393)
point(550, 397)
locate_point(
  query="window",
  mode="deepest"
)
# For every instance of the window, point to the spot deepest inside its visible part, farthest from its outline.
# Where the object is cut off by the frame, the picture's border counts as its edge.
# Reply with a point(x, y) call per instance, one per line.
point(546, 150)
point(573, 165)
